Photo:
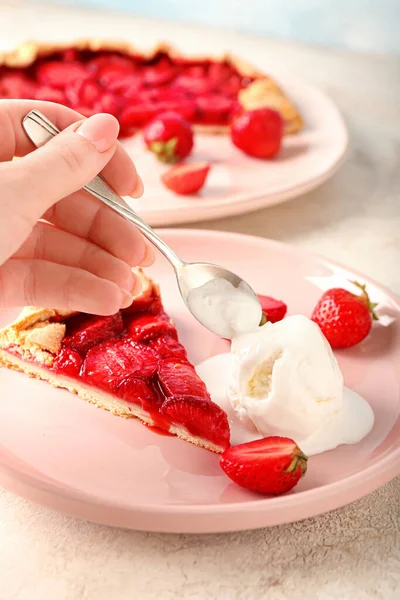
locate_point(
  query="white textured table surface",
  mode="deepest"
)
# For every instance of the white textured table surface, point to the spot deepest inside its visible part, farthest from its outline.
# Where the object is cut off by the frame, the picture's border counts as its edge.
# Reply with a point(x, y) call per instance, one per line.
point(353, 553)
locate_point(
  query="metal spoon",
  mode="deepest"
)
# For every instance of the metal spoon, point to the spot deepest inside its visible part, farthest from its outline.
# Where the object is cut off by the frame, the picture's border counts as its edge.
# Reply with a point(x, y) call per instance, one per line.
point(229, 302)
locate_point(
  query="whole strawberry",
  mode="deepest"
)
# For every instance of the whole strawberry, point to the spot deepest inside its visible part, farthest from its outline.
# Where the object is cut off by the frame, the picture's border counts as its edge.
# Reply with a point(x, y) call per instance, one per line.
point(258, 132)
point(169, 136)
point(272, 465)
point(344, 318)
point(273, 310)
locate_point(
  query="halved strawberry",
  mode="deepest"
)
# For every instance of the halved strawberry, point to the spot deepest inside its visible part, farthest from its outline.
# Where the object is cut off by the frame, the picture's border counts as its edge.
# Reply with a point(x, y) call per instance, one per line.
point(273, 310)
point(195, 85)
point(109, 103)
point(133, 389)
point(185, 179)
point(168, 347)
point(109, 363)
point(58, 74)
point(180, 381)
point(214, 108)
point(200, 417)
point(85, 331)
point(219, 71)
point(68, 362)
point(272, 465)
point(128, 86)
point(83, 92)
point(148, 326)
point(157, 76)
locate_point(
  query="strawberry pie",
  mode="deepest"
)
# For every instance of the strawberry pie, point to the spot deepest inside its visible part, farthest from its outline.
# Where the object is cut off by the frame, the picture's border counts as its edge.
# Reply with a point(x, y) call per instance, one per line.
point(130, 363)
point(96, 76)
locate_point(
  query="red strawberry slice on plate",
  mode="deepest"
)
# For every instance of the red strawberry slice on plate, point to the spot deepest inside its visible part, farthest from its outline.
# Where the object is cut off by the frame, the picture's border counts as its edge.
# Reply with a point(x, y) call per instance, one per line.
point(58, 75)
point(109, 363)
point(169, 347)
point(186, 179)
point(68, 362)
point(200, 417)
point(180, 381)
point(85, 331)
point(273, 465)
point(148, 326)
point(273, 310)
point(133, 389)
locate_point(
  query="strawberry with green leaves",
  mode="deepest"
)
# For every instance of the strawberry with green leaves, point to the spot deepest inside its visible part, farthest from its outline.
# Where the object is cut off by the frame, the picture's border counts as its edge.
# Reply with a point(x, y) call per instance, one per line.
point(169, 136)
point(344, 318)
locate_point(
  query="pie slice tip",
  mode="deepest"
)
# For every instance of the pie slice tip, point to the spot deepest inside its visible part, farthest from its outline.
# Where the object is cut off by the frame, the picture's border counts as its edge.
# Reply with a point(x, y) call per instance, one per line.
point(130, 364)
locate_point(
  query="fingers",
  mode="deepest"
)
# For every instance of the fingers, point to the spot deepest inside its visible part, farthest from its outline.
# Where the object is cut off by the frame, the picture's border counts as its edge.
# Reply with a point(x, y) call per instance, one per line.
point(62, 166)
point(86, 217)
point(120, 172)
point(46, 242)
point(25, 282)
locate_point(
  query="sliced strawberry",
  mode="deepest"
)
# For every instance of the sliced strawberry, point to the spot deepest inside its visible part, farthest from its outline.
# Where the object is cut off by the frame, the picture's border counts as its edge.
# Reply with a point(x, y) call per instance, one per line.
point(194, 85)
point(182, 105)
point(109, 363)
point(58, 74)
point(232, 86)
point(108, 103)
point(83, 92)
point(180, 381)
point(17, 85)
point(133, 389)
point(196, 71)
point(201, 418)
point(186, 179)
point(85, 331)
point(101, 62)
point(272, 465)
point(134, 116)
point(156, 76)
point(273, 310)
point(68, 362)
point(168, 347)
point(49, 94)
point(214, 108)
point(148, 326)
point(128, 86)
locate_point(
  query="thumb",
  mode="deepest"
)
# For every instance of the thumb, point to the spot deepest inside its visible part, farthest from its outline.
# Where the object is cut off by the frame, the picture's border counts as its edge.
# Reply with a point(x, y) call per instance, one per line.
point(64, 165)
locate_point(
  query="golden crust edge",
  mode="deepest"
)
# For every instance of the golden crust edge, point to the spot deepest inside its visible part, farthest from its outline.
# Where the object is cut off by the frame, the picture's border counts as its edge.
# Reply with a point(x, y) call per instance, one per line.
point(26, 53)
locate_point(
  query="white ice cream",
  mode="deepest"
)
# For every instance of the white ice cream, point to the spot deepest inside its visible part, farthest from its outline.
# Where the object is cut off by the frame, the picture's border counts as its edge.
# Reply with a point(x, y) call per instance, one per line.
point(227, 310)
point(283, 379)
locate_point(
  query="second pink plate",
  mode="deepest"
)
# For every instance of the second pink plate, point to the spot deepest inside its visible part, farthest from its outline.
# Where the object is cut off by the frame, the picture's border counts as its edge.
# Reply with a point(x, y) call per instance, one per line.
point(239, 184)
point(59, 451)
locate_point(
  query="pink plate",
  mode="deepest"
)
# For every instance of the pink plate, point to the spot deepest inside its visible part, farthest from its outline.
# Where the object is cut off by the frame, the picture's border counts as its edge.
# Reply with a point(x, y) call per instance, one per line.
point(57, 450)
point(239, 184)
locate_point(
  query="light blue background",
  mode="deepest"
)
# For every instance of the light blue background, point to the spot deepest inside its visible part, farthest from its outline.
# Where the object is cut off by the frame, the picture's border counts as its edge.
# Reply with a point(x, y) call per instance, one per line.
point(366, 25)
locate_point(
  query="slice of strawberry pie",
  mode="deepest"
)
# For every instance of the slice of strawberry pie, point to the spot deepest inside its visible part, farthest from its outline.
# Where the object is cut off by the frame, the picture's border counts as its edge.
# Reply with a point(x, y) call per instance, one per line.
point(130, 363)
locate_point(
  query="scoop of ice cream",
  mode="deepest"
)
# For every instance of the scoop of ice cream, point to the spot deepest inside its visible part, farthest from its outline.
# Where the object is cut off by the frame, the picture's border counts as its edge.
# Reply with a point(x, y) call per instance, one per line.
point(285, 379)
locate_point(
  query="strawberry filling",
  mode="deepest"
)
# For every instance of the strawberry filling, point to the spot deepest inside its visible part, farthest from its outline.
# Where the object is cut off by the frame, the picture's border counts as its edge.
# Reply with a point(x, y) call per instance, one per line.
point(135, 355)
point(133, 88)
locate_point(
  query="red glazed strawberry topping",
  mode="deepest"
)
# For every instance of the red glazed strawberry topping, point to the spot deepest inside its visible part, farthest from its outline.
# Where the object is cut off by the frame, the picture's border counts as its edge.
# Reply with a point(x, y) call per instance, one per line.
point(169, 347)
point(180, 381)
point(200, 418)
point(135, 390)
point(109, 363)
point(86, 331)
point(199, 91)
point(148, 326)
point(68, 362)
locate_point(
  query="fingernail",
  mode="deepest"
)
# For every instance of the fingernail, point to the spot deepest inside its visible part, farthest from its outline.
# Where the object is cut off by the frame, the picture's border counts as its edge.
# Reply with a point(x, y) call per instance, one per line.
point(127, 298)
point(138, 190)
point(149, 256)
point(101, 130)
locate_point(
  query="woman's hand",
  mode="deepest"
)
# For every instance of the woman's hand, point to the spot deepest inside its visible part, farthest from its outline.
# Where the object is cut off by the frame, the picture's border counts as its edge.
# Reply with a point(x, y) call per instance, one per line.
point(59, 246)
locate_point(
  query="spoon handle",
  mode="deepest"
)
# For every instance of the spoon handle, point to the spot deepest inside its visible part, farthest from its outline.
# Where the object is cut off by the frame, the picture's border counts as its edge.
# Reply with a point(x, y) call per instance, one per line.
point(40, 130)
